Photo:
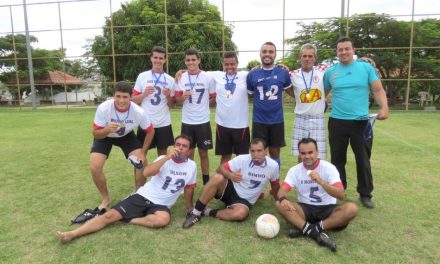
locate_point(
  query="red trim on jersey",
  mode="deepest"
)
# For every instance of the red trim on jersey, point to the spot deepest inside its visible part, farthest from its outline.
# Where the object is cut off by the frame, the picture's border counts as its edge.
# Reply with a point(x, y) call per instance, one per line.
point(135, 92)
point(179, 160)
point(337, 184)
point(96, 127)
point(275, 181)
point(286, 186)
point(150, 128)
point(178, 93)
point(194, 73)
point(191, 186)
point(226, 164)
point(122, 110)
point(314, 165)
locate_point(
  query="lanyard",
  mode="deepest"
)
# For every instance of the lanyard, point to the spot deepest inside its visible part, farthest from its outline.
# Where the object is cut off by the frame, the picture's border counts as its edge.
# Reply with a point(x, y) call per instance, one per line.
point(117, 116)
point(262, 164)
point(230, 85)
point(305, 83)
point(191, 85)
point(156, 79)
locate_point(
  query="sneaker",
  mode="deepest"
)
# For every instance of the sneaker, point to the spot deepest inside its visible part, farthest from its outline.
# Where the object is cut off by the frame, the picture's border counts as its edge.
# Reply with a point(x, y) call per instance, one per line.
point(87, 215)
point(190, 220)
point(136, 162)
point(325, 241)
point(294, 232)
point(366, 202)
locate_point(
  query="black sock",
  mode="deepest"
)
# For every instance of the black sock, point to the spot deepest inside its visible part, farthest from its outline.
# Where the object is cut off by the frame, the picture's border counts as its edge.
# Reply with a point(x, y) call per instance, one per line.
point(320, 226)
point(214, 212)
point(200, 206)
point(205, 178)
point(306, 228)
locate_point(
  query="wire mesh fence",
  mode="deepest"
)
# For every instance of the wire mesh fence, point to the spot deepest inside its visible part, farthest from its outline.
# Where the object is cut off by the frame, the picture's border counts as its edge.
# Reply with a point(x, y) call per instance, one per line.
point(71, 26)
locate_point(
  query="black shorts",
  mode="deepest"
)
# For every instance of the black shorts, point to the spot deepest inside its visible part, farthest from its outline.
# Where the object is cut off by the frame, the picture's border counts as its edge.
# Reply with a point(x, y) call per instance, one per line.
point(231, 140)
point(136, 205)
point(163, 137)
point(273, 134)
point(200, 134)
point(230, 196)
point(127, 143)
point(316, 213)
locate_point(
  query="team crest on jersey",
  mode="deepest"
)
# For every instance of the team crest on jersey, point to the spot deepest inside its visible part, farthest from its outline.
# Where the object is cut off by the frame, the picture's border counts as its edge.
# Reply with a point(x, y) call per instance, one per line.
point(314, 95)
point(316, 79)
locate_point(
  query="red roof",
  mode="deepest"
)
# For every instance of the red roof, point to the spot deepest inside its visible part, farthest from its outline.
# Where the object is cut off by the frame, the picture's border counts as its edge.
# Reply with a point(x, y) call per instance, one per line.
point(51, 78)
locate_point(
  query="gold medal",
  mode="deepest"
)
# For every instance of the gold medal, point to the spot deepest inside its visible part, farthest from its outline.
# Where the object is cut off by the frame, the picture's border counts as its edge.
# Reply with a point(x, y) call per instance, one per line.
point(308, 96)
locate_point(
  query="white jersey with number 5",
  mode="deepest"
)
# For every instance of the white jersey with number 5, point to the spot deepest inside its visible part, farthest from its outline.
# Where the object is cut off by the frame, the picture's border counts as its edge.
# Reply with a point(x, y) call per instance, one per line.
point(165, 187)
point(156, 104)
point(196, 109)
point(310, 192)
point(255, 177)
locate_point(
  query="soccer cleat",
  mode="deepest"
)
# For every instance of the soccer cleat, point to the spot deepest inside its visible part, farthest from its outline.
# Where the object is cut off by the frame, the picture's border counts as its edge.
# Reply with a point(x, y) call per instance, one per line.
point(190, 220)
point(294, 232)
point(325, 241)
point(366, 201)
point(136, 162)
point(87, 215)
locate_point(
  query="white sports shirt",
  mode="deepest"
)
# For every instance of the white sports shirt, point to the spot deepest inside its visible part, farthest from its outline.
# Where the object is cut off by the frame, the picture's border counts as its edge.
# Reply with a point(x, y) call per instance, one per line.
point(196, 109)
point(232, 107)
point(309, 90)
point(254, 178)
point(310, 192)
point(156, 104)
point(129, 120)
point(165, 187)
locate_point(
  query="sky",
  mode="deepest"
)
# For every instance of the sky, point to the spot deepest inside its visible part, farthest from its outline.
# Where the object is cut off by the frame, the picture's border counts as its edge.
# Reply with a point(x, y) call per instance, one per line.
point(83, 20)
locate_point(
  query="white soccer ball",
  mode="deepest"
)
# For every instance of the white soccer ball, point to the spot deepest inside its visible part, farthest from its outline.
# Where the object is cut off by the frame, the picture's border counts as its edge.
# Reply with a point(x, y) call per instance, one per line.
point(267, 226)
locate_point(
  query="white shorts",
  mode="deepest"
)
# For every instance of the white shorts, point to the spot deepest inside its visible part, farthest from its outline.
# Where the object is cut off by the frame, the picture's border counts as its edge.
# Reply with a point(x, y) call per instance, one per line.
point(309, 126)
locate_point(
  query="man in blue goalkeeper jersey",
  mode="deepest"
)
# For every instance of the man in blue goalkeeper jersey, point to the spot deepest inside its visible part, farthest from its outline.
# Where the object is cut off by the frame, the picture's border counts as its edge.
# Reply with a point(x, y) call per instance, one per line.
point(266, 84)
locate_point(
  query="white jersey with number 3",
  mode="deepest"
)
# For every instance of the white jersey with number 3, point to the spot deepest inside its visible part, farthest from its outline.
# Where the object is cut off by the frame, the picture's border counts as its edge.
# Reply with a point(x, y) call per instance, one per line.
point(310, 192)
point(255, 177)
point(165, 187)
point(155, 104)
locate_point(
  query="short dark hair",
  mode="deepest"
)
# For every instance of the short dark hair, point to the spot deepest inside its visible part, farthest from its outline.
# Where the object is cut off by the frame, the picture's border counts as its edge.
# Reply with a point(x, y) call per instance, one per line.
point(270, 44)
point(229, 55)
point(255, 141)
point(344, 39)
point(158, 49)
point(192, 51)
point(184, 137)
point(307, 141)
point(123, 87)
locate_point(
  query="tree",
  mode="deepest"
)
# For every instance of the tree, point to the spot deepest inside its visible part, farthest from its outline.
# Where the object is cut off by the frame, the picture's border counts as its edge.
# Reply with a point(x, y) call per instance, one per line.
point(43, 60)
point(131, 39)
point(383, 39)
point(251, 64)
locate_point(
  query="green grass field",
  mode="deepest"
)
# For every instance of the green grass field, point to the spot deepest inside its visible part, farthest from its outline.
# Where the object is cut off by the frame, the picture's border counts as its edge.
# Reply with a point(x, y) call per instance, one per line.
point(45, 181)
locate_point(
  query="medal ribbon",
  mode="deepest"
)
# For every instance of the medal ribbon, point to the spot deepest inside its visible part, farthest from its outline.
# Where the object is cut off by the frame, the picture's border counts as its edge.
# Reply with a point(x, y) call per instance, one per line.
point(156, 79)
point(305, 83)
point(191, 85)
point(230, 83)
